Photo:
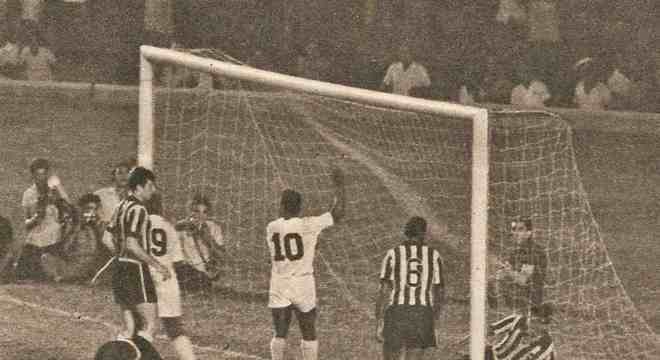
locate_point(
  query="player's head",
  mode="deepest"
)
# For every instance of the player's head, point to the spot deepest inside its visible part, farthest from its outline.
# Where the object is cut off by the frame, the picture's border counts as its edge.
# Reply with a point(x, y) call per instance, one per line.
point(40, 170)
point(120, 173)
point(118, 350)
point(142, 182)
point(200, 208)
point(155, 205)
point(291, 203)
point(415, 228)
point(521, 229)
point(89, 205)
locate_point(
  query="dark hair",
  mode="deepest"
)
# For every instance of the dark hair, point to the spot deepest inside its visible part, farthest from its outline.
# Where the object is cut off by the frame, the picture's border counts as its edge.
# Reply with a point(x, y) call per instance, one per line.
point(415, 226)
point(291, 201)
point(123, 164)
point(39, 163)
point(89, 198)
point(155, 205)
point(140, 176)
point(526, 221)
point(199, 199)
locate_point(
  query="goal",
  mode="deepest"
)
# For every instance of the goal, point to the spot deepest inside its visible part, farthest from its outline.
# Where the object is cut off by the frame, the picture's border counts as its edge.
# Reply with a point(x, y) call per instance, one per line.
point(468, 171)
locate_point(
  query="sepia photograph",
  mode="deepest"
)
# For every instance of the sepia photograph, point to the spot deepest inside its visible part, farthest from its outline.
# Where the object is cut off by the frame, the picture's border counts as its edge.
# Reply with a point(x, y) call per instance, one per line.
point(329, 179)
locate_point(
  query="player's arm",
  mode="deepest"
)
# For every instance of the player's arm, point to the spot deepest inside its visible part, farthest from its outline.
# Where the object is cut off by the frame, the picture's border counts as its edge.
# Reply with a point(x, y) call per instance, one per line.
point(33, 216)
point(108, 240)
point(133, 245)
point(439, 293)
point(384, 290)
point(339, 201)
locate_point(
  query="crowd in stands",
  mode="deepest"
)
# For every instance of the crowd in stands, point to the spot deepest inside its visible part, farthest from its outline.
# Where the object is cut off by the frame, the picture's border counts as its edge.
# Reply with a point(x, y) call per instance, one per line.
point(64, 241)
point(527, 53)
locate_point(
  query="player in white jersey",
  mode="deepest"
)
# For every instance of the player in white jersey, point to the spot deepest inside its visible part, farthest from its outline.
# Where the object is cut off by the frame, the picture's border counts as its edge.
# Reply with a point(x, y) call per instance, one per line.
point(165, 245)
point(292, 242)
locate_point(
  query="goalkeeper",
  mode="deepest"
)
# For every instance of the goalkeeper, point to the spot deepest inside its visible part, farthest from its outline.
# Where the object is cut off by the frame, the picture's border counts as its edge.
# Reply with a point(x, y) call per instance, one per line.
point(522, 278)
point(203, 247)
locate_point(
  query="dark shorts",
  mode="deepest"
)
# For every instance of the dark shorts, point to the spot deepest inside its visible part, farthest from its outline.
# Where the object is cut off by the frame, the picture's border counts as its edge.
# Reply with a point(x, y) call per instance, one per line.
point(408, 326)
point(132, 283)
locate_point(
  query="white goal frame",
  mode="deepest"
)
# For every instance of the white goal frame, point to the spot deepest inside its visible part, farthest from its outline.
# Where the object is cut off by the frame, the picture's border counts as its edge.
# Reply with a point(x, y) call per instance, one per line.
point(480, 148)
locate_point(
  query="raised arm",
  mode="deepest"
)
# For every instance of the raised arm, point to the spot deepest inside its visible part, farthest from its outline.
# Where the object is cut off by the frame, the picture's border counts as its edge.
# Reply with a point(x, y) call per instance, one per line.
point(337, 209)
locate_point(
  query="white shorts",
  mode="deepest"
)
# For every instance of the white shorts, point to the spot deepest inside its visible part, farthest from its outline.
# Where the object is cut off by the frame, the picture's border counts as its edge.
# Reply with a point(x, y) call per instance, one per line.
point(168, 294)
point(299, 292)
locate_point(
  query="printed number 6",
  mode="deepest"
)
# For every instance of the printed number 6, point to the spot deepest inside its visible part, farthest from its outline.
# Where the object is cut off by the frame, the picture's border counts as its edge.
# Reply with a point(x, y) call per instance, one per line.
point(414, 272)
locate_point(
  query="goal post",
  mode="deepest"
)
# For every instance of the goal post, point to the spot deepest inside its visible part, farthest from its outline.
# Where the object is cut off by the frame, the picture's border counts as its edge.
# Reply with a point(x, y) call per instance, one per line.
point(480, 147)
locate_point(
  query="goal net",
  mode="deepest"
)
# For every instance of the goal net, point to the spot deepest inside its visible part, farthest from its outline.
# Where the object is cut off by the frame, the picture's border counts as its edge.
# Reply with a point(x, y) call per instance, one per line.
point(242, 141)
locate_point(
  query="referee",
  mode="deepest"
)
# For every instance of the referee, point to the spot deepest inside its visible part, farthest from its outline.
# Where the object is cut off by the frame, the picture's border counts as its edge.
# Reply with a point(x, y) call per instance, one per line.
point(412, 287)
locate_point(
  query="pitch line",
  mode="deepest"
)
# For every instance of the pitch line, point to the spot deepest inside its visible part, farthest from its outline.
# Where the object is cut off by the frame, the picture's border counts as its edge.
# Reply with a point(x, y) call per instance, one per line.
point(63, 313)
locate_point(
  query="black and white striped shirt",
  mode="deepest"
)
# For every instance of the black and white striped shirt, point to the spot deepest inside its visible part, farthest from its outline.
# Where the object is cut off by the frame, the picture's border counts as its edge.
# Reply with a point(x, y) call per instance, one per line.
point(130, 219)
point(413, 269)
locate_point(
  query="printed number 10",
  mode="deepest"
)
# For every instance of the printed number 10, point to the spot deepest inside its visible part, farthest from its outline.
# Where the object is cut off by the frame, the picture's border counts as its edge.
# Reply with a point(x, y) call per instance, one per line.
point(288, 248)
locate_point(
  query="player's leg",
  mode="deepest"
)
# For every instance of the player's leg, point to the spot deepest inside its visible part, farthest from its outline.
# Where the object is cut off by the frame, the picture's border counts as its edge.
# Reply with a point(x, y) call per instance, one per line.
point(180, 342)
point(128, 323)
point(392, 334)
point(281, 323)
point(309, 345)
point(149, 314)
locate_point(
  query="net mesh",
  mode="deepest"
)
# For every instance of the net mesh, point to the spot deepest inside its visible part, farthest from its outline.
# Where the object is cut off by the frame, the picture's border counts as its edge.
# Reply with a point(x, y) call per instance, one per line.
point(241, 148)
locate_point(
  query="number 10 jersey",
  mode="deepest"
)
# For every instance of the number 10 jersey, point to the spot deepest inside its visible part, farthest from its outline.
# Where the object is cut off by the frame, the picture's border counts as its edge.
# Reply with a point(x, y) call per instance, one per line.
point(292, 244)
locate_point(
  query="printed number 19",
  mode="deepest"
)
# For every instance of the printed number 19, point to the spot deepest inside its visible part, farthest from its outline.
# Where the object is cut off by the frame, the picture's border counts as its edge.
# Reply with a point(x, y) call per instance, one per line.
point(288, 248)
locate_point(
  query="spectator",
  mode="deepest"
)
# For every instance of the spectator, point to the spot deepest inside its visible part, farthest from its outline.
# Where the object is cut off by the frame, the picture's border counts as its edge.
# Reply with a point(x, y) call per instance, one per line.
point(544, 39)
point(6, 242)
point(311, 64)
point(591, 93)
point(203, 246)
point(469, 90)
point(49, 219)
point(9, 57)
point(406, 77)
point(530, 92)
point(32, 14)
point(111, 196)
point(82, 254)
point(37, 60)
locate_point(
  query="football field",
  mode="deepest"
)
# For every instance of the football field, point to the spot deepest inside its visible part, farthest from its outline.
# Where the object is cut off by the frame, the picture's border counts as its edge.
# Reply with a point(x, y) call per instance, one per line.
point(620, 170)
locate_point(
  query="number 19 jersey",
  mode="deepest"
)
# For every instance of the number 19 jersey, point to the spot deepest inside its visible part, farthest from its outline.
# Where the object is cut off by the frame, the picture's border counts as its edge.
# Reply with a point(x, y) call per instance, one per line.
point(165, 246)
point(292, 243)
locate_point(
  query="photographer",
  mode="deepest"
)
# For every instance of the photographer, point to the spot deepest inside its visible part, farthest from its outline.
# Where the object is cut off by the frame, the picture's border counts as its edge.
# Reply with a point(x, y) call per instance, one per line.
point(49, 218)
point(203, 247)
point(81, 251)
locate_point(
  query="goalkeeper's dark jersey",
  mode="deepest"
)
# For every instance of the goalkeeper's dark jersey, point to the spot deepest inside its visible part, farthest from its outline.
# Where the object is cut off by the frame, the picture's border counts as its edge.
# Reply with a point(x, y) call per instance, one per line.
point(130, 219)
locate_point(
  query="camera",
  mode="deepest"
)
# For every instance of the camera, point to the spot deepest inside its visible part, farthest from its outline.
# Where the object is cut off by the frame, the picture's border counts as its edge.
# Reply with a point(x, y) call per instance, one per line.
point(89, 217)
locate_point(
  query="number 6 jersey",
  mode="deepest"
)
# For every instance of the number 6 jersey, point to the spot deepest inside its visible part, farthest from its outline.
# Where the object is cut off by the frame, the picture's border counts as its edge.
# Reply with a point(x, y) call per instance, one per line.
point(413, 269)
point(292, 244)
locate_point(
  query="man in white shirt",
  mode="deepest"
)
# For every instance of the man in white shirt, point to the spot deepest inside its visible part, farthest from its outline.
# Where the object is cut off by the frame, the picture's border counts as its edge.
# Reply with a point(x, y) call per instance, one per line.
point(112, 195)
point(292, 242)
point(406, 77)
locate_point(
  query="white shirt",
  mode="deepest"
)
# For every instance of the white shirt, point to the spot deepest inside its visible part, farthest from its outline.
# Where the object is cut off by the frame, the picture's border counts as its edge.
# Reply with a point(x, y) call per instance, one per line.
point(48, 231)
point(510, 10)
point(619, 83)
point(197, 253)
point(37, 66)
point(533, 97)
point(464, 96)
point(597, 99)
point(10, 54)
point(109, 201)
point(292, 244)
point(32, 9)
point(404, 80)
point(165, 242)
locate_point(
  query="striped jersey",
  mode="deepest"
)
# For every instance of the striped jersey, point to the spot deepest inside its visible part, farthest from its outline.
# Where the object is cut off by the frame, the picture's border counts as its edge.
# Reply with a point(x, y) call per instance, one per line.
point(129, 219)
point(514, 343)
point(413, 269)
